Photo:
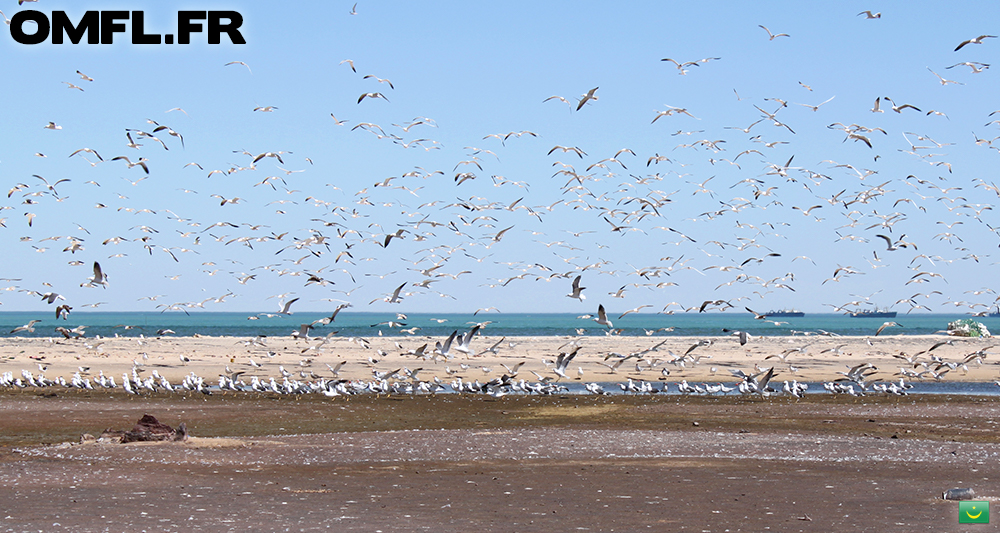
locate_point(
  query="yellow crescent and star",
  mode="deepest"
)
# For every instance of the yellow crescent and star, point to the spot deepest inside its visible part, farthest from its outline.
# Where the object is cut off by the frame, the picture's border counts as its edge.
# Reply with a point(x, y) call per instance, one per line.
point(967, 513)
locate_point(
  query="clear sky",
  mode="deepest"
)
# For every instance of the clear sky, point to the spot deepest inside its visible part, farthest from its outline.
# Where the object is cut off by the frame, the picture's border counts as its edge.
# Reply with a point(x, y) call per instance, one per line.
point(723, 216)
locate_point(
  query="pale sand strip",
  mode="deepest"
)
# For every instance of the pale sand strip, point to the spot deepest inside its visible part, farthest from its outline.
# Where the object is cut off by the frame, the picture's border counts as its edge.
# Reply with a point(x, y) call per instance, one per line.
point(210, 356)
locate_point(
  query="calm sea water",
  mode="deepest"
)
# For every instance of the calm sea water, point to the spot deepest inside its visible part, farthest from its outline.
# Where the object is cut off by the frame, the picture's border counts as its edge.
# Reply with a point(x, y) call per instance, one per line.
point(508, 324)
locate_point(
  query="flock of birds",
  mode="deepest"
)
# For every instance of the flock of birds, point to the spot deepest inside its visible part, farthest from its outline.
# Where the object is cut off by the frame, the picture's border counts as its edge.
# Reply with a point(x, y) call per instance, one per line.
point(657, 359)
point(405, 381)
point(392, 384)
point(330, 242)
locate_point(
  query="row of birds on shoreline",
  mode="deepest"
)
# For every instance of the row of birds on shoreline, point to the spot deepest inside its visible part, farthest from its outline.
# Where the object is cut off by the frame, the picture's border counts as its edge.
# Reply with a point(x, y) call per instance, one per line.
point(134, 384)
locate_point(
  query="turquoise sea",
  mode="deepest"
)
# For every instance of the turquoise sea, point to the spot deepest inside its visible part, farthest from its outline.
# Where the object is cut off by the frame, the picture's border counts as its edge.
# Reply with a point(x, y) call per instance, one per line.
point(509, 324)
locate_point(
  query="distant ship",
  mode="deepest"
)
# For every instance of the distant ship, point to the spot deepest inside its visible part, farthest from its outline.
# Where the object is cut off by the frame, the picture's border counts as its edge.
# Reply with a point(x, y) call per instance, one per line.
point(784, 313)
point(995, 314)
point(874, 313)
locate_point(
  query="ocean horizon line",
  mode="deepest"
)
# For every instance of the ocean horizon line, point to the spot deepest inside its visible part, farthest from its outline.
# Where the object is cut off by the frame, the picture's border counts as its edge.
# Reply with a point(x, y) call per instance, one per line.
point(492, 313)
point(386, 323)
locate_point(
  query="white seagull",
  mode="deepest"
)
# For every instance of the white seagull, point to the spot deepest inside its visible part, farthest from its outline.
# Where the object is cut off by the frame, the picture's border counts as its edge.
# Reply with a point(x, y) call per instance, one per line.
point(773, 36)
point(602, 317)
point(577, 290)
point(285, 305)
point(463, 342)
point(562, 361)
point(976, 40)
point(99, 277)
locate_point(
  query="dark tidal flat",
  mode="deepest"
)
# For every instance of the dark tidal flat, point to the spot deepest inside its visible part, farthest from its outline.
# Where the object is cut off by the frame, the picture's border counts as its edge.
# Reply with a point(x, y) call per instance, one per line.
point(454, 462)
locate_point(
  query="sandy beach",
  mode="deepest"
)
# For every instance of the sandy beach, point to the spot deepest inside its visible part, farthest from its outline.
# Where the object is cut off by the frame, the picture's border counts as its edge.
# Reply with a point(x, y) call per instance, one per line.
point(806, 359)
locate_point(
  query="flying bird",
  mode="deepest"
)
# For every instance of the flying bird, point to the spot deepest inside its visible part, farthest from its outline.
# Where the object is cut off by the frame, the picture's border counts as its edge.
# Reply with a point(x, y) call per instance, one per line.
point(394, 298)
point(899, 108)
point(240, 63)
point(140, 163)
point(29, 327)
point(562, 361)
point(62, 311)
point(284, 306)
point(974, 65)
point(577, 290)
point(976, 40)
point(51, 297)
point(372, 95)
point(636, 310)
point(743, 336)
point(573, 149)
point(886, 325)
point(773, 35)
point(560, 98)
point(589, 96)
point(380, 80)
point(99, 277)
point(499, 235)
point(816, 107)
point(602, 317)
point(89, 151)
point(944, 81)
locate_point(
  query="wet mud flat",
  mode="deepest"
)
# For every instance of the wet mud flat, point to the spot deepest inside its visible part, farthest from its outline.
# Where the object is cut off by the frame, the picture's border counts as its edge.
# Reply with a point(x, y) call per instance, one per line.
point(453, 462)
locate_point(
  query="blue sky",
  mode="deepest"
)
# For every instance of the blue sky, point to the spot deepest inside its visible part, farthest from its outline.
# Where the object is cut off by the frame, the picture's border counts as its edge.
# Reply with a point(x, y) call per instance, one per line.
point(462, 72)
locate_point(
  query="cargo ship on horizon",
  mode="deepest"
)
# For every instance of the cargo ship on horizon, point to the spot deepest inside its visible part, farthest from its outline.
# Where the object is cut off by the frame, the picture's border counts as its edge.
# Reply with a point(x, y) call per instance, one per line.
point(874, 313)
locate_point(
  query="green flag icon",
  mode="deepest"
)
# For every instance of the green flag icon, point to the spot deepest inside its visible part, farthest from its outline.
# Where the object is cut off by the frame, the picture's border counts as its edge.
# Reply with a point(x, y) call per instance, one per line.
point(973, 512)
